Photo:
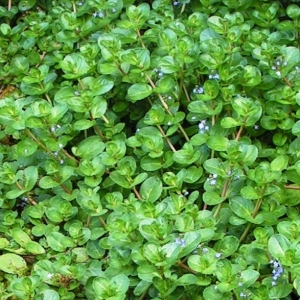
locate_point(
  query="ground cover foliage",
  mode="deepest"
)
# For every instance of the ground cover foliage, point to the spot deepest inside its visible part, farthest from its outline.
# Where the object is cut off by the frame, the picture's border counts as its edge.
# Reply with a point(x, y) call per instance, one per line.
point(149, 151)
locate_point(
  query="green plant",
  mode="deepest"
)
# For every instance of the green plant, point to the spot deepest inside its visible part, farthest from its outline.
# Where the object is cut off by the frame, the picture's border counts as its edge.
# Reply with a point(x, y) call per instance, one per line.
point(149, 151)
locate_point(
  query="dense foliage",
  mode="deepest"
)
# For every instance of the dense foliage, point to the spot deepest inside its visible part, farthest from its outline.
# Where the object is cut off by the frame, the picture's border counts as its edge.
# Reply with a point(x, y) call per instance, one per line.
point(149, 151)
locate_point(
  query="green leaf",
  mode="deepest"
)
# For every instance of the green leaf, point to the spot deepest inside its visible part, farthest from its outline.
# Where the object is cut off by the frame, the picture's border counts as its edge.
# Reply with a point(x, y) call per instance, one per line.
point(101, 85)
point(139, 91)
point(138, 15)
point(151, 189)
point(59, 242)
point(187, 279)
point(103, 287)
point(293, 11)
point(252, 76)
point(229, 122)
point(248, 277)
point(138, 179)
point(5, 29)
point(89, 147)
point(155, 115)
point(169, 65)
point(32, 89)
point(187, 155)
point(227, 245)
point(119, 179)
point(164, 85)
point(212, 198)
point(12, 264)
point(94, 250)
point(83, 124)
point(19, 65)
point(20, 236)
point(279, 163)
point(31, 176)
point(74, 66)
point(147, 272)
point(153, 252)
point(34, 248)
point(50, 295)
point(47, 182)
point(296, 128)
point(217, 143)
point(278, 244)
point(215, 166)
point(150, 164)
point(249, 192)
point(204, 264)
point(281, 292)
point(26, 4)
point(241, 206)
point(14, 193)
point(190, 175)
point(216, 23)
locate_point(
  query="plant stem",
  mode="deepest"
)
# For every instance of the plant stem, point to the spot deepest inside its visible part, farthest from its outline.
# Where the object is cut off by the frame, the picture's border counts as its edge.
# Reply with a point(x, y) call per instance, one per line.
point(224, 191)
point(287, 82)
point(183, 266)
point(290, 187)
point(102, 222)
point(167, 108)
point(167, 139)
point(136, 193)
point(29, 133)
point(140, 38)
point(238, 136)
point(254, 214)
point(96, 128)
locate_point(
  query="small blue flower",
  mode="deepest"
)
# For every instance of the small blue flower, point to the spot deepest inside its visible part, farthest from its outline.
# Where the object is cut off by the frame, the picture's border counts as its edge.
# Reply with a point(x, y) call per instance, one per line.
point(202, 126)
point(198, 90)
point(180, 242)
point(214, 76)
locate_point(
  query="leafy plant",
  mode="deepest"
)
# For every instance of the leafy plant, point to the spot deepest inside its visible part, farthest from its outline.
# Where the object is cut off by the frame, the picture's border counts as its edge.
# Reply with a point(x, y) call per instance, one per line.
point(149, 150)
